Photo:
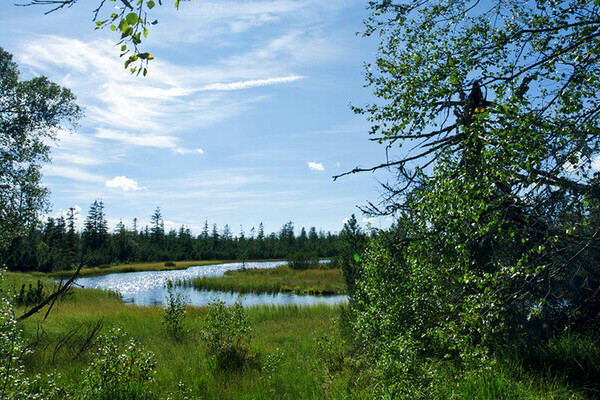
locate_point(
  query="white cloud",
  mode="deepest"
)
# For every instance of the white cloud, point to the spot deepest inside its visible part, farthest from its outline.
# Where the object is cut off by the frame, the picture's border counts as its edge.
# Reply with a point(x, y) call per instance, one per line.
point(199, 151)
point(369, 221)
point(159, 141)
point(124, 183)
point(71, 173)
point(315, 166)
point(250, 83)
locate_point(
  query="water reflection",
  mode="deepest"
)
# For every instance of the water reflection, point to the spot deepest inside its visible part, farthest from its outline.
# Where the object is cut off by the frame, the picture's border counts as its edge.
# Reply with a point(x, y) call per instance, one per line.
point(148, 287)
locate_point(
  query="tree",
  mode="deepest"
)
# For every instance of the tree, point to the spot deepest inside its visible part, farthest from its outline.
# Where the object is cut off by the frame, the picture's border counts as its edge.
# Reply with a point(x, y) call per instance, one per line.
point(498, 194)
point(158, 226)
point(95, 230)
point(351, 244)
point(30, 113)
point(130, 19)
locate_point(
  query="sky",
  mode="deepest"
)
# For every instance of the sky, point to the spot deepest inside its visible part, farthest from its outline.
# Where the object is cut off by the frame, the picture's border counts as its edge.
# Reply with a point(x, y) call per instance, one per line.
point(243, 118)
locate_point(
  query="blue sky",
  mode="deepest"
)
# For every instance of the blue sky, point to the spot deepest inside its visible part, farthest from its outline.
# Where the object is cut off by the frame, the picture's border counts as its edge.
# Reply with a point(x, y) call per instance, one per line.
point(243, 118)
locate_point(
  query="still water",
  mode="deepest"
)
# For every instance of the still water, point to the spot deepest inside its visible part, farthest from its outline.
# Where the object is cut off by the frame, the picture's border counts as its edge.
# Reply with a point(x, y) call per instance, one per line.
point(148, 287)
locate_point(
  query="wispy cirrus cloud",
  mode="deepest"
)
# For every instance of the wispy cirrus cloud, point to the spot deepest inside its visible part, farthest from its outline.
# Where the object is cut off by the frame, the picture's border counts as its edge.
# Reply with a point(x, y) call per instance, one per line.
point(250, 83)
point(73, 173)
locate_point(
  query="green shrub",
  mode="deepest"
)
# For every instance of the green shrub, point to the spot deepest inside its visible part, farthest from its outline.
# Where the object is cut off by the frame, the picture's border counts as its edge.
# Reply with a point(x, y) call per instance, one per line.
point(227, 334)
point(301, 260)
point(330, 350)
point(14, 383)
point(120, 369)
point(30, 296)
point(170, 264)
point(173, 312)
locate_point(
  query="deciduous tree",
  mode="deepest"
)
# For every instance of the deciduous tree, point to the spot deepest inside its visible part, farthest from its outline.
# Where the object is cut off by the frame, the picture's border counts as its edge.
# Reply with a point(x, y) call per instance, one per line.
point(491, 110)
point(31, 112)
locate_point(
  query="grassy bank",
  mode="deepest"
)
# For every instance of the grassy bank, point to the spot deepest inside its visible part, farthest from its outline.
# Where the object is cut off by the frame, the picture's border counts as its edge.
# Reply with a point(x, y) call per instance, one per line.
point(282, 345)
point(150, 266)
point(280, 279)
point(298, 353)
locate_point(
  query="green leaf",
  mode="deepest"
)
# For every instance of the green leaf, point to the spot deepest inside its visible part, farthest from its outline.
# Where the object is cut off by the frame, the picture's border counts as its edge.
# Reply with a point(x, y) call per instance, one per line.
point(124, 47)
point(145, 32)
point(151, 4)
point(176, 3)
point(132, 18)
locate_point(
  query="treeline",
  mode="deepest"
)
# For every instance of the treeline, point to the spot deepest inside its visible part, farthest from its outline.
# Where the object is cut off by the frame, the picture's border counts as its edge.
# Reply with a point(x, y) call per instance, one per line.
point(57, 244)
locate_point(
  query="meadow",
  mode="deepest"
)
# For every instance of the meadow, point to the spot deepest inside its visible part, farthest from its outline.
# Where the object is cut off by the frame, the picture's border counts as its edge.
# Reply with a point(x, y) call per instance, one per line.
point(293, 352)
point(281, 279)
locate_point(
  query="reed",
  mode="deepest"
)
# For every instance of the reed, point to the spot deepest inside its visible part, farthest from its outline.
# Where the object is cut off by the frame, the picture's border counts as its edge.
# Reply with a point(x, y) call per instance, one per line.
point(281, 279)
point(288, 363)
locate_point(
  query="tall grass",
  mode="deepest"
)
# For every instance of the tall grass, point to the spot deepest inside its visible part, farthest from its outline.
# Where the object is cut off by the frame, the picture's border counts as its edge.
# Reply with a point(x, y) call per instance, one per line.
point(289, 363)
point(282, 340)
point(280, 279)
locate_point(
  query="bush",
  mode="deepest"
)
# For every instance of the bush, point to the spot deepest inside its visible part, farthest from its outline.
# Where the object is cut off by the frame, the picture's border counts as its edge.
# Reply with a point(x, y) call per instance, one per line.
point(30, 296)
point(226, 334)
point(120, 369)
point(173, 312)
point(301, 260)
point(170, 264)
point(14, 383)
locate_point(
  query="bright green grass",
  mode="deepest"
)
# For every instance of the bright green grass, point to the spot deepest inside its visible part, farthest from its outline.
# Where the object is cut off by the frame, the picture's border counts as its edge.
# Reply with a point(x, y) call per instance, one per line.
point(289, 332)
point(286, 331)
point(280, 279)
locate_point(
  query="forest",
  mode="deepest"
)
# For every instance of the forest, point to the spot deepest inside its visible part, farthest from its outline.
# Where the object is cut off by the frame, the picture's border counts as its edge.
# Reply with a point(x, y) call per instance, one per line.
point(57, 244)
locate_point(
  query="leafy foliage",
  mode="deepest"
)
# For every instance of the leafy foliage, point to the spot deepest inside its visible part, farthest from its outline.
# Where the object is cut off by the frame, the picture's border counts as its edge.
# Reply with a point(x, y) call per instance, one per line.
point(350, 247)
point(173, 312)
point(130, 19)
point(119, 370)
point(30, 113)
point(15, 383)
point(301, 260)
point(227, 335)
point(497, 200)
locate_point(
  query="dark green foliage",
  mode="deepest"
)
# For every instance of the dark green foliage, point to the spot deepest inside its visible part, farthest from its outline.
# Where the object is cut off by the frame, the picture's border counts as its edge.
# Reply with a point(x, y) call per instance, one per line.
point(57, 246)
point(573, 357)
point(497, 201)
point(302, 260)
point(227, 335)
point(30, 296)
point(351, 245)
point(30, 113)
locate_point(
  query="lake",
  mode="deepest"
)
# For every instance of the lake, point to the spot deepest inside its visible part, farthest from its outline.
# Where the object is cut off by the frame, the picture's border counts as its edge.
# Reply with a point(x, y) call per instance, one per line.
point(148, 287)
